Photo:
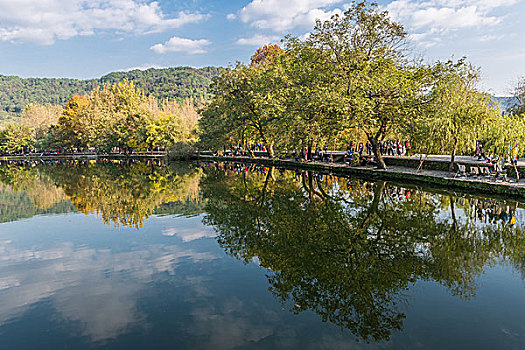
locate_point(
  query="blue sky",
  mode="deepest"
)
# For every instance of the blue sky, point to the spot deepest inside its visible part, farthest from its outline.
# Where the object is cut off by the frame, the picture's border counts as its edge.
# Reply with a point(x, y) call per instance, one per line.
point(88, 38)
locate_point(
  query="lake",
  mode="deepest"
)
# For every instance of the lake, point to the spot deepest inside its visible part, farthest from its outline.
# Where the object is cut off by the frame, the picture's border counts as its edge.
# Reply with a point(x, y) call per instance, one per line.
point(114, 255)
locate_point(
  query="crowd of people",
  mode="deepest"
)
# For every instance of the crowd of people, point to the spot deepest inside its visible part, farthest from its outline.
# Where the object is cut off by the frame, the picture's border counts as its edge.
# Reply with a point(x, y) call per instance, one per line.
point(387, 148)
point(359, 147)
point(513, 153)
point(490, 211)
point(395, 148)
point(246, 147)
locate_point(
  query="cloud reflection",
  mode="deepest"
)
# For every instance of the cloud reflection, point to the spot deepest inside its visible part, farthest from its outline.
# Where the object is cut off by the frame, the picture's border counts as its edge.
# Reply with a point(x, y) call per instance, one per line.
point(98, 288)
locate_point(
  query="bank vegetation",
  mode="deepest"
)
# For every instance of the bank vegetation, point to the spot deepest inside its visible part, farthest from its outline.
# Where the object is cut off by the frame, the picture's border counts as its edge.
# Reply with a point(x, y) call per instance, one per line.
point(355, 77)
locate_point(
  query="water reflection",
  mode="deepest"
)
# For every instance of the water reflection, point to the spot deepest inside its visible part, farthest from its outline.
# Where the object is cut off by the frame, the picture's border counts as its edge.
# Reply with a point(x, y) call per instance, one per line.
point(121, 193)
point(98, 289)
point(343, 250)
point(350, 249)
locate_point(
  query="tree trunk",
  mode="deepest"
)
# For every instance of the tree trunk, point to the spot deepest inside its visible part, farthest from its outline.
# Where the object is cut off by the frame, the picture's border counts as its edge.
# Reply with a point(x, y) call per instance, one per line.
point(516, 171)
point(453, 213)
point(453, 156)
point(421, 161)
point(377, 153)
point(307, 188)
point(379, 188)
point(270, 150)
point(262, 197)
point(309, 154)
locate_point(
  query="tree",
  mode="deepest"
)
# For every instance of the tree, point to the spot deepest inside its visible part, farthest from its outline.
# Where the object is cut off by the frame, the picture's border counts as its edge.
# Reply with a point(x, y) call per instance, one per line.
point(113, 116)
point(15, 137)
point(311, 111)
point(39, 118)
point(178, 121)
point(378, 85)
point(265, 55)
point(460, 114)
point(69, 123)
point(245, 106)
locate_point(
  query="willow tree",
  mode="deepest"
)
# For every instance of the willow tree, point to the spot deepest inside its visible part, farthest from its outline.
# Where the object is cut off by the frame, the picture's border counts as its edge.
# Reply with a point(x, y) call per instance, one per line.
point(378, 85)
point(460, 114)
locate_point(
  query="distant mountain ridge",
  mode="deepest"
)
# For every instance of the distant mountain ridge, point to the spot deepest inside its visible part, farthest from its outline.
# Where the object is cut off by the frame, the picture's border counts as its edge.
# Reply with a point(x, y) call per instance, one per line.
point(506, 101)
point(176, 83)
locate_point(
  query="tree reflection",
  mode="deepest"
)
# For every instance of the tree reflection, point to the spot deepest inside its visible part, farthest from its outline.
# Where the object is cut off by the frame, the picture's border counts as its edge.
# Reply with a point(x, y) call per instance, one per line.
point(25, 193)
point(120, 193)
point(348, 249)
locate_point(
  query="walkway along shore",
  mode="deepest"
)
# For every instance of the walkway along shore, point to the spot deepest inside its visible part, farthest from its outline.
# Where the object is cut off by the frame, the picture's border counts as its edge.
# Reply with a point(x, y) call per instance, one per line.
point(84, 156)
point(429, 176)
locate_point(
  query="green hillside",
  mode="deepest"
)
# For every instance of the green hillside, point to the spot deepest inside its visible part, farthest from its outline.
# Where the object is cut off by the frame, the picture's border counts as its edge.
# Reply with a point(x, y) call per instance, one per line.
point(506, 102)
point(170, 83)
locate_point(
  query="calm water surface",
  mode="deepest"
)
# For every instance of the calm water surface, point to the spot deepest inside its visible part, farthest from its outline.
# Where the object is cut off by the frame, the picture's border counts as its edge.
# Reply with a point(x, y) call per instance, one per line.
point(222, 256)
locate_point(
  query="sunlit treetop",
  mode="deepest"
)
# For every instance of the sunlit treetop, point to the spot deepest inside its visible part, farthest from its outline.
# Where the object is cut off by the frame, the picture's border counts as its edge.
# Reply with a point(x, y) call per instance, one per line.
point(264, 55)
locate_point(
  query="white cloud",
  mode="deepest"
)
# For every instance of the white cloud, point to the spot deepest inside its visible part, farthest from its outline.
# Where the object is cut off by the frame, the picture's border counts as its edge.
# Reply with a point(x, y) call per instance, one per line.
point(280, 16)
point(258, 40)
point(176, 44)
point(445, 15)
point(231, 16)
point(45, 21)
point(491, 37)
point(429, 22)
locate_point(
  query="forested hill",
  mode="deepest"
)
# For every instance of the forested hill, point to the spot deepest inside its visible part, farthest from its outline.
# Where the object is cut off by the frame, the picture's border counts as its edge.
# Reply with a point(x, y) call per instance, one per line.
point(506, 102)
point(170, 83)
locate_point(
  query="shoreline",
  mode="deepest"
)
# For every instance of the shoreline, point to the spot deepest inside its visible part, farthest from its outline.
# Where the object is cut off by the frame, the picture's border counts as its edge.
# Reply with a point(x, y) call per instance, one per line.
point(34, 157)
point(432, 178)
point(401, 170)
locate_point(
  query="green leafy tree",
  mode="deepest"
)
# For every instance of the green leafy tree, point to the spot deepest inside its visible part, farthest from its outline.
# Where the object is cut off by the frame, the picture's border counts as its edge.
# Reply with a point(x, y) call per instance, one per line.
point(15, 137)
point(460, 115)
point(245, 106)
point(311, 113)
point(378, 85)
